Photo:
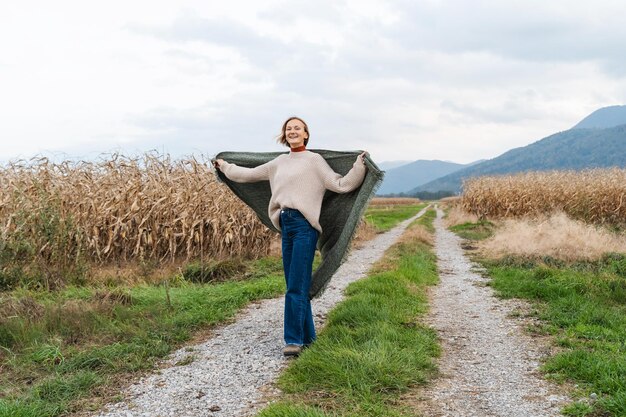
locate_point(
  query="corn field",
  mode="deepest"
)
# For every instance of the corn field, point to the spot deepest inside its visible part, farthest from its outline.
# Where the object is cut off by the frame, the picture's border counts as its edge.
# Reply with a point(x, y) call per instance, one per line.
point(595, 195)
point(121, 209)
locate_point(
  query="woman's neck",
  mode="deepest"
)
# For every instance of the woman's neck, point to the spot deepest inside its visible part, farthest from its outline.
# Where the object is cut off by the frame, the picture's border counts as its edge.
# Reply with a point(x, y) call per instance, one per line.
point(298, 149)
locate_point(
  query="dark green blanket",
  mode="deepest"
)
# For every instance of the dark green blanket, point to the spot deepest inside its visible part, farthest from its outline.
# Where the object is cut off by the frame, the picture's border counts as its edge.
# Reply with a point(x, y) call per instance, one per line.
point(340, 213)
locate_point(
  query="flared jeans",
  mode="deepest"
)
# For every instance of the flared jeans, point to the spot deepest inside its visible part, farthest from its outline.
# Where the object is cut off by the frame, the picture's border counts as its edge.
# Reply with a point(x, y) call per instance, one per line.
point(299, 240)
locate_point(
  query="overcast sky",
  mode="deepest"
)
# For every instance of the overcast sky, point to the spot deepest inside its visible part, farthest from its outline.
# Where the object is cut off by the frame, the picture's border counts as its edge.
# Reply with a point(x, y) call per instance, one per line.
point(407, 79)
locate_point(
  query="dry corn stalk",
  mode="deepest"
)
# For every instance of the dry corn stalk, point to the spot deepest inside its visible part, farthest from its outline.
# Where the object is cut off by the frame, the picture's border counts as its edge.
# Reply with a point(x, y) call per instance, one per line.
point(124, 209)
point(594, 195)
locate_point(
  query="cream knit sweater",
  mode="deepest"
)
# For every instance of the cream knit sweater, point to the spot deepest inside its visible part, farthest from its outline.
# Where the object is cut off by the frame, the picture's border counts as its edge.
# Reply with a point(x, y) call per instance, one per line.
point(298, 180)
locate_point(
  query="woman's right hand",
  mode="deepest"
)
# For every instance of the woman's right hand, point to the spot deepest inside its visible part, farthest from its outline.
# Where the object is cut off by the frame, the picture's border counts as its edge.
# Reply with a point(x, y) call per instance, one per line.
point(217, 163)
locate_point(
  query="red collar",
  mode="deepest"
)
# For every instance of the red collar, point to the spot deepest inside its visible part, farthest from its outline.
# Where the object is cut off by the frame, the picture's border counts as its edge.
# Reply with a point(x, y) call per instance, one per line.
point(299, 149)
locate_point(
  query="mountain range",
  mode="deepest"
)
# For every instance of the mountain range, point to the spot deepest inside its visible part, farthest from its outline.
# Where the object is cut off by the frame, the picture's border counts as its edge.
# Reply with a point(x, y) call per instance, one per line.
point(603, 118)
point(392, 164)
point(406, 177)
point(597, 141)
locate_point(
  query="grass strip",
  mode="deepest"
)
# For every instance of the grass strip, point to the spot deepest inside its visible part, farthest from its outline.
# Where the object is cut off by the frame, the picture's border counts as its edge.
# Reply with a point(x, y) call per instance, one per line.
point(374, 347)
point(384, 218)
point(583, 306)
point(474, 231)
point(63, 350)
point(426, 220)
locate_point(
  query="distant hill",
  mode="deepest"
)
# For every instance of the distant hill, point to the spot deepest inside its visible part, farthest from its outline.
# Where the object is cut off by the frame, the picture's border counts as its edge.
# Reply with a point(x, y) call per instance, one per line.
point(476, 162)
point(603, 118)
point(391, 164)
point(408, 176)
point(573, 149)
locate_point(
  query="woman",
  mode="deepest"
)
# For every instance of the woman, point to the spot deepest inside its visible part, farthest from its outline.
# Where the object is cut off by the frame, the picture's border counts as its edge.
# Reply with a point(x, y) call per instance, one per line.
point(298, 181)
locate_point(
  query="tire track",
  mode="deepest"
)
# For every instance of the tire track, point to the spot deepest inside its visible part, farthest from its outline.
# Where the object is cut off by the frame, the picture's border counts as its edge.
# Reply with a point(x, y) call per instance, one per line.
point(489, 366)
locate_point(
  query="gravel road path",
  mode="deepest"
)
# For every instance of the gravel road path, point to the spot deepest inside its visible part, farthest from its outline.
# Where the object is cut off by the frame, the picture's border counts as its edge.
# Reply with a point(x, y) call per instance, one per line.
point(489, 366)
point(229, 373)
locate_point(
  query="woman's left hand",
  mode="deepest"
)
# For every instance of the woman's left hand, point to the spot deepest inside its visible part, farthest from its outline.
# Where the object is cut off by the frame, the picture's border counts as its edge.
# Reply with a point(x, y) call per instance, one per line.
point(363, 155)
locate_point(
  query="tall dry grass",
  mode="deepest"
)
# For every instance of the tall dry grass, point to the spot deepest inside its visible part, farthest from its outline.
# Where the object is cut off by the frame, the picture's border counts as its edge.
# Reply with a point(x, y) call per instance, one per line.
point(53, 216)
point(456, 215)
point(450, 200)
point(594, 196)
point(556, 236)
point(364, 233)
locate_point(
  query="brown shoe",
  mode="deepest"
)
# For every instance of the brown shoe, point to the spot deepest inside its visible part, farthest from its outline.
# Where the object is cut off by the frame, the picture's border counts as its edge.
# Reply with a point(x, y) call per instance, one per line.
point(292, 350)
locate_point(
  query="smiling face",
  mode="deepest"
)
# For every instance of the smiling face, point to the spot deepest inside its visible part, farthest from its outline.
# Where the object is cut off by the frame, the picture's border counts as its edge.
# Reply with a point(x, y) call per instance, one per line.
point(295, 133)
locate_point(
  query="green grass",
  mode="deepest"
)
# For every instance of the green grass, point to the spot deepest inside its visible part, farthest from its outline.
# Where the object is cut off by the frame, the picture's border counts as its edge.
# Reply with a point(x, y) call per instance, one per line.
point(427, 219)
point(474, 231)
point(585, 309)
point(384, 218)
point(582, 305)
point(62, 349)
point(373, 348)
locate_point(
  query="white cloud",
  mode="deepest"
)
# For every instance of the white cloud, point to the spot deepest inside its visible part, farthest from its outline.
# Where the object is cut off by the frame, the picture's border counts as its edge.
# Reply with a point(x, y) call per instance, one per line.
point(447, 80)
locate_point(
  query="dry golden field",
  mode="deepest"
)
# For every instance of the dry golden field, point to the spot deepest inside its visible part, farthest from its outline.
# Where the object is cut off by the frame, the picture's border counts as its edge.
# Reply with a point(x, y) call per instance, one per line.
point(450, 200)
point(120, 209)
point(555, 235)
point(594, 196)
point(392, 201)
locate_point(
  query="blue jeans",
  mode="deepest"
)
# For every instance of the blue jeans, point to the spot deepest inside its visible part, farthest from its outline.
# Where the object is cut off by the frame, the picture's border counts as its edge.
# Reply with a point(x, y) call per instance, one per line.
point(299, 239)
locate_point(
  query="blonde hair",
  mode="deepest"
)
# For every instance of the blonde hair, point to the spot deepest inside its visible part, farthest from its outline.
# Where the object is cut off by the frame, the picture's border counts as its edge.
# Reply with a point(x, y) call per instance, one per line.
point(282, 138)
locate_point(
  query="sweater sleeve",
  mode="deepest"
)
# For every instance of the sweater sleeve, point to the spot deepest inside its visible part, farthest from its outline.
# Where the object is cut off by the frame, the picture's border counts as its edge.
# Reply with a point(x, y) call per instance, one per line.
point(342, 184)
point(242, 174)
